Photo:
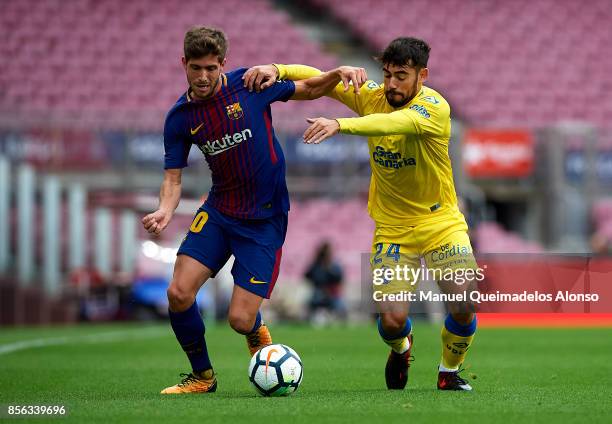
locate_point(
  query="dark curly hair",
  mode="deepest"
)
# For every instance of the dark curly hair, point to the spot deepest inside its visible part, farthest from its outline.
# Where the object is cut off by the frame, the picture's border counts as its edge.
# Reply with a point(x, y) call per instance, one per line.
point(406, 51)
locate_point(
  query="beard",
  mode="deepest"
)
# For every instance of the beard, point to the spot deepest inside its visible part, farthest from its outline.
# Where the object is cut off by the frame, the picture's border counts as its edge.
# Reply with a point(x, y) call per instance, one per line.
point(398, 100)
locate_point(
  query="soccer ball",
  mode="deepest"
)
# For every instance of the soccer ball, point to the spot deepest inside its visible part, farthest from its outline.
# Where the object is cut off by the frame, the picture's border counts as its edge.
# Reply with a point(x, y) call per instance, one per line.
point(275, 370)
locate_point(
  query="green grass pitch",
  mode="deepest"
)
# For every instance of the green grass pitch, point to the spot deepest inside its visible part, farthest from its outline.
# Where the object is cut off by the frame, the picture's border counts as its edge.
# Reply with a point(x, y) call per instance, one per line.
point(113, 374)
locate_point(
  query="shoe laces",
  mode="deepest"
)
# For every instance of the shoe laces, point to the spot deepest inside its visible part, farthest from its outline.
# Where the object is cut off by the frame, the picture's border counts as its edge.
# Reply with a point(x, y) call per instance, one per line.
point(457, 378)
point(400, 357)
point(253, 338)
point(187, 379)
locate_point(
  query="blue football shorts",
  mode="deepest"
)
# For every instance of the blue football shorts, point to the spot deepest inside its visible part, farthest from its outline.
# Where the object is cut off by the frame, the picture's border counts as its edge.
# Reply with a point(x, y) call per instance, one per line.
point(255, 243)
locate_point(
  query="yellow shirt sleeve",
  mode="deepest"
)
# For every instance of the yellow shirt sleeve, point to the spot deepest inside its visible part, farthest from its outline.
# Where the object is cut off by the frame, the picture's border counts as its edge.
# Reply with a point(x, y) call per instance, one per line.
point(417, 119)
point(349, 98)
point(296, 72)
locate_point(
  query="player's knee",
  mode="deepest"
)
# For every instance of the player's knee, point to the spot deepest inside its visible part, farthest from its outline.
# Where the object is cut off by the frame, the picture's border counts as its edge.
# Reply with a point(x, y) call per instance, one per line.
point(463, 318)
point(393, 323)
point(179, 298)
point(241, 322)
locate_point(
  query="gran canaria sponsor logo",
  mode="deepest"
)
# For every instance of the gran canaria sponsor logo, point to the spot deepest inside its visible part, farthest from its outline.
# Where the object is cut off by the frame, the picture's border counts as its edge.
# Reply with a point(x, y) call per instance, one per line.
point(390, 159)
point(228, 141)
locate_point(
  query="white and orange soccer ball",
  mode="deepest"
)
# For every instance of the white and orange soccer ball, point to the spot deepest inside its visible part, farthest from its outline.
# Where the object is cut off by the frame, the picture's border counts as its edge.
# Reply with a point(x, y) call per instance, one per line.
point(276, 370)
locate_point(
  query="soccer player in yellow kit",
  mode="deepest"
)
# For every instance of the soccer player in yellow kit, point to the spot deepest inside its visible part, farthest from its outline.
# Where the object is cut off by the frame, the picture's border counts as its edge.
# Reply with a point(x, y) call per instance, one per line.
point(412, 196)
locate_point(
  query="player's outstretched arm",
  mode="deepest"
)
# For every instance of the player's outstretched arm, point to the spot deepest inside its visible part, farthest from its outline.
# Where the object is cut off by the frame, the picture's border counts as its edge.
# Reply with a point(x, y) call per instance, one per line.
point(261, 77)
point(169, 197)
point(377, 124)
point(318, 86)
point(320, 129)
point(404, 121)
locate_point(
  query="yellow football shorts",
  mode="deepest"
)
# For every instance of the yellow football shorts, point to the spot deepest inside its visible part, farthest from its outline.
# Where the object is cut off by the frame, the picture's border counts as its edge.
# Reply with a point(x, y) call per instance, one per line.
point(403, 255)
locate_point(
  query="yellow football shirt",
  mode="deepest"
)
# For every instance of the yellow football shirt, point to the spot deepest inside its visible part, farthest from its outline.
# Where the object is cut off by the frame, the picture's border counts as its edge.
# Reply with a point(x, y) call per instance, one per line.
point(412, 180)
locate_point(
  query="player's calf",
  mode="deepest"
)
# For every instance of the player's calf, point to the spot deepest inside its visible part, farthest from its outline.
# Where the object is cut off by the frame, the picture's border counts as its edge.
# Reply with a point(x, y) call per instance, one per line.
point(241, 322)
point(456, 341)
point(189, 329)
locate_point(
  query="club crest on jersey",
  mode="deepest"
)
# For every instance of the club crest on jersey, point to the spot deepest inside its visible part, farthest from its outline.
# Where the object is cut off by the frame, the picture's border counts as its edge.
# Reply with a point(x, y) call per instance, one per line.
point(234, 111)
point(431, 99)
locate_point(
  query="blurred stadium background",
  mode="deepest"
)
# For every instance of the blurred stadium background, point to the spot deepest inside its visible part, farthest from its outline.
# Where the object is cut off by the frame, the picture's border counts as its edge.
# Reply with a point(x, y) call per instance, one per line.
point(85, 85)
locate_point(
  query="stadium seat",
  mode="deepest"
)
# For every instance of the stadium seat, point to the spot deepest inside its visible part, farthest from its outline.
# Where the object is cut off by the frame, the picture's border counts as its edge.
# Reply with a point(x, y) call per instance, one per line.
point(100, 51)
point(472, 60)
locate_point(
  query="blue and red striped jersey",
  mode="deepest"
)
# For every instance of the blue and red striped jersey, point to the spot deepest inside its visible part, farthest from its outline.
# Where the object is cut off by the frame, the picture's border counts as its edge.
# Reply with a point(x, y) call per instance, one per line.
point(233, 129)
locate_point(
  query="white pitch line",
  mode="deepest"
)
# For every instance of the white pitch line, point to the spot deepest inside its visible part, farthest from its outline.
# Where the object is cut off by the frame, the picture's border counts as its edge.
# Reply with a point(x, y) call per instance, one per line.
point(107, 337)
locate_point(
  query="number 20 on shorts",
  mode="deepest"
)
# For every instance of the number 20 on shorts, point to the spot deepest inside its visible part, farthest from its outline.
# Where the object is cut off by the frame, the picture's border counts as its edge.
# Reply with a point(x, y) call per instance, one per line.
point(198, 222)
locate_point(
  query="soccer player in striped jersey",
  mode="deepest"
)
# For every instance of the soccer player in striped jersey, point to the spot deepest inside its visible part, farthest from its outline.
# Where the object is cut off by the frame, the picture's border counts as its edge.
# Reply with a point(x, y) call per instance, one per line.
point(412, 196)
point(245, 214)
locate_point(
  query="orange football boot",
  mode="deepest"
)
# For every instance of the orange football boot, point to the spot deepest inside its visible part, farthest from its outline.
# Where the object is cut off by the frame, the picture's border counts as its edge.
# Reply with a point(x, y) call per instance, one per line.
point(191, 383)
point(258, 339)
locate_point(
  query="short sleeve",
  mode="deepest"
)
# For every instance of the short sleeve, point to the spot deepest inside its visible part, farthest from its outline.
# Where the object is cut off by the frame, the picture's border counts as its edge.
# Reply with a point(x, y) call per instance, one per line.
point(176, 144)
point(279, 91)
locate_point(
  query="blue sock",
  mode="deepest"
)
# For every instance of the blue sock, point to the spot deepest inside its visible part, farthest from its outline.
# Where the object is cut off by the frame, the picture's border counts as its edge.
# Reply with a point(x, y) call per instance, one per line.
point(407, 329)
point(397, 342)
point(458, 329)
point(189, 330)
point(257, 323)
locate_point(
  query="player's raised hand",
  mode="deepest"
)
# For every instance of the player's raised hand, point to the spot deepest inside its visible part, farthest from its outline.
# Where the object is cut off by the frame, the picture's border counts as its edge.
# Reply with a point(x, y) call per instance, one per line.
point(320, 129)
point(157, 221)
point(352, 74)
point(260, 77)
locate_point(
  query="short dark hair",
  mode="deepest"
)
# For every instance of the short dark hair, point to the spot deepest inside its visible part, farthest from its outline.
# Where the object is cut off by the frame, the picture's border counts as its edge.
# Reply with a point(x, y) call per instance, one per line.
point(201, 41)
point(406, 51)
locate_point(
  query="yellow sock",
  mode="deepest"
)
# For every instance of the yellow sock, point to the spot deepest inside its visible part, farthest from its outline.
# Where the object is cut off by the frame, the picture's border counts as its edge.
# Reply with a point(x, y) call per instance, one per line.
point(206, 374)
point(454, 349)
